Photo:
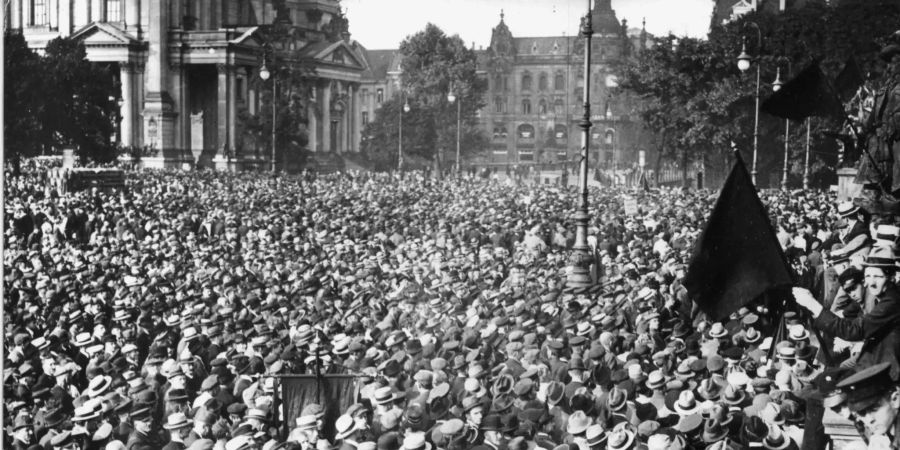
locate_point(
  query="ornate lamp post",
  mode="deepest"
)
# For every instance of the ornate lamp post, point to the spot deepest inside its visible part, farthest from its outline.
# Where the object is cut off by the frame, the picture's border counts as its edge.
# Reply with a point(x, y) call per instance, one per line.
point(776, 86)
point(743, 63)
point(579, 271)
point(400, 140)
point(264, 73)
point(451, 97)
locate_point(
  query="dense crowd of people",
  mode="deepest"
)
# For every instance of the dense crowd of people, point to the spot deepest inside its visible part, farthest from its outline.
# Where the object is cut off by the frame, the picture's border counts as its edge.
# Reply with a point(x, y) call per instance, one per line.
point(158, 317)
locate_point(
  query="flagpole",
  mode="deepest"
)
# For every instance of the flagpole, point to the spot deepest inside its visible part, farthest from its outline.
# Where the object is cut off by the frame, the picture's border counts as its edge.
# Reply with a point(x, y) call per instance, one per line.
point(806, 163)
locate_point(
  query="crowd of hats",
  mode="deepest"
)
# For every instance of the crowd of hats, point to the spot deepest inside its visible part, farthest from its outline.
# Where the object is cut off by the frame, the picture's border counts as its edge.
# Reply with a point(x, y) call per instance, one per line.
point(159, 315)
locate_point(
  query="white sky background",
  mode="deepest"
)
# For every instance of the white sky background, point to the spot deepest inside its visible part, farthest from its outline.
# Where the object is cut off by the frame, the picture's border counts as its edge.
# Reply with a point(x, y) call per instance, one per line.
point(382, 24)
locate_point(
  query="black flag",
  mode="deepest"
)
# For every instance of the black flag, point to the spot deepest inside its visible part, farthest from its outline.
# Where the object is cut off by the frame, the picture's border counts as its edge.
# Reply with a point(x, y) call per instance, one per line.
point(849, 80)
point(737, 257)
point(808, 94)
point(334, 392)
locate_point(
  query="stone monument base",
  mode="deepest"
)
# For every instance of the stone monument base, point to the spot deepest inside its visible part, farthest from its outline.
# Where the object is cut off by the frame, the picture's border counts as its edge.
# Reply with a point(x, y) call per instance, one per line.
point(848, 189)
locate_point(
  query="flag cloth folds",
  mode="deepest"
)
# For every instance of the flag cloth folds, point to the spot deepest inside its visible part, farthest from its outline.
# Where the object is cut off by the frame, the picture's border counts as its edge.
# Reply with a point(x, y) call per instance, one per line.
point(335, 393)
point(849, 80)
point(808, 94)
point(737, 257)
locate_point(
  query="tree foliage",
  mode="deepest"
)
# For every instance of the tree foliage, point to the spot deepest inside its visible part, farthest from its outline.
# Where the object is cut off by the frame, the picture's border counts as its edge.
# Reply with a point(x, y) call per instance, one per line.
point(697, 101)
point(58, 100)
point(291, 86)
point(23, 98)
point(433, 65)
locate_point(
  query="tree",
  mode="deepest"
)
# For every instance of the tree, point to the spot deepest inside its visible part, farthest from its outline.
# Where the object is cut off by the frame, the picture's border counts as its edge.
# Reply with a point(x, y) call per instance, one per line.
point(433, 65)
point(23, 99)
point(81, 110)
point(697, 101)
point(290, 86)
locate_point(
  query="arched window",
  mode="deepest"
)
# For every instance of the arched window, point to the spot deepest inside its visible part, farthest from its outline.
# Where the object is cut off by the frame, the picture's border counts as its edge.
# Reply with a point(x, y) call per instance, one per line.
point(526, 106)
point(542, 82)
point(559, 106)
point(542, 107)
point(526, 82)
point(498, 104)
point(609, 137)
point(560, 132)
point(498, 82)
point(559, 82)
point(526, 131)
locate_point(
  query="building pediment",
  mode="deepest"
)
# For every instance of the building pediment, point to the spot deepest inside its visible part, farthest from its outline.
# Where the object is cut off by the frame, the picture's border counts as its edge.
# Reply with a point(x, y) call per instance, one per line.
point(100, 34)
point(334, 54)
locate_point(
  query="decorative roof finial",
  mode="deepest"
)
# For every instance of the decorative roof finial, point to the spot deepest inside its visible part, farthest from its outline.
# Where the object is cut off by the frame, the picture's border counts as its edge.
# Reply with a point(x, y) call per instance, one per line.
point(501, 14)
point(644, 24)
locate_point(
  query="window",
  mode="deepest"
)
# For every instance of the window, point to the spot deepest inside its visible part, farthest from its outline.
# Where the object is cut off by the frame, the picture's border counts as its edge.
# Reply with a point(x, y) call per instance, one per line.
point(559, 107)
point(526, 131)
point(526, 106)
point(609, 137)
point(241, 93)
point(542, 82)
point(505, 84)
point(379, 94)
point(39, 12)
point(526, 82)
point(364, 94)
point(365, 117)
point(560, 131)
point(113, 10)
point(542, 107)
point(500, 133)
point(498, 83)
point(498, 105)
point(559, 83)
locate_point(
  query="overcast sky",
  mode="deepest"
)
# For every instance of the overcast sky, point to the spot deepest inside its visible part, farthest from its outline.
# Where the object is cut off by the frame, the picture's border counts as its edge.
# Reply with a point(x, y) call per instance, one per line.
point(382, 24)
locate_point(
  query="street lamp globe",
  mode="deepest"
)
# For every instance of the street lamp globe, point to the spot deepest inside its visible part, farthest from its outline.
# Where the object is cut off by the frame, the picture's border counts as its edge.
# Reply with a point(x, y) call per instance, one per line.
point(406, 107)
point(264, 73)
point(451, 97)
point(743, 60)
point(777, 84)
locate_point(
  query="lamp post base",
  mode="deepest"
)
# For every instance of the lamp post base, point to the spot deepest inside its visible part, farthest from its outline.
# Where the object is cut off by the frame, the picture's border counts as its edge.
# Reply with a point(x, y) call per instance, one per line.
point(579, 269)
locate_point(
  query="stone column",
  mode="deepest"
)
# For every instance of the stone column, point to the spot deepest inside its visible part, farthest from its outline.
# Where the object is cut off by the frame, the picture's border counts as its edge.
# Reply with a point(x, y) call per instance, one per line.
point(52, 13)
point(96, 10)
point(326, 117)
point(26, 12)
point(312, 128)
point(354, 117)
point(132, 15)
point(179, 99)
point(65, 18)
point(127, 76)
point(232, 108)
point(15, 20)
point(224, 79)
point(159, 116)
point(342, 120)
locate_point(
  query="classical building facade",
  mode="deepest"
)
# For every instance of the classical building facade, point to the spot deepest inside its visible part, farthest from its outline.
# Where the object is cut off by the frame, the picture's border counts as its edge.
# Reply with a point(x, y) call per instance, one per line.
point(186, 69)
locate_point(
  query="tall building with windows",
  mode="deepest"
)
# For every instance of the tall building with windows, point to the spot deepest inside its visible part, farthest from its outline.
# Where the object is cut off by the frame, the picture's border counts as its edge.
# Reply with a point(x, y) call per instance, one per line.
point(187, 69)
point(534, 97)
point(535, 89)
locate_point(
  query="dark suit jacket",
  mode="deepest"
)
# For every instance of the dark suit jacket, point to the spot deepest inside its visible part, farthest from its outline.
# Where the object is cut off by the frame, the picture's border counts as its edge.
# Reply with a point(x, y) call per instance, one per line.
point(880, 329)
